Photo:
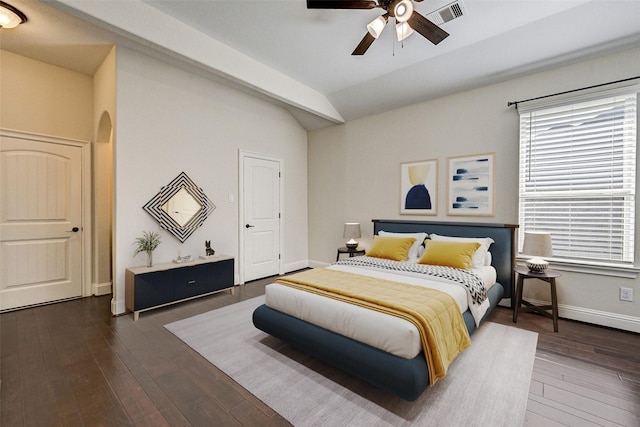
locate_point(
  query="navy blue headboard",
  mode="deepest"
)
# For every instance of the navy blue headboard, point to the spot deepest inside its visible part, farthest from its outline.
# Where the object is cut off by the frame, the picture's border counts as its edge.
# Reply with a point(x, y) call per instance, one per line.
point(503, 251)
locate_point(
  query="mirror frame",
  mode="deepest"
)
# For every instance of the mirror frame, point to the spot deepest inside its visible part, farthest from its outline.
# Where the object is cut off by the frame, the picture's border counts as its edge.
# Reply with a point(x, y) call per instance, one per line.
point(154, 207)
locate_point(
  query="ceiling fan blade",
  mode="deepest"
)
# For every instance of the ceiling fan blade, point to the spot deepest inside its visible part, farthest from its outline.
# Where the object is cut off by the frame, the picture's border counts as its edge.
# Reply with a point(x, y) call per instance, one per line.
point(341, 4)
point(364, 44)
point(428, 29)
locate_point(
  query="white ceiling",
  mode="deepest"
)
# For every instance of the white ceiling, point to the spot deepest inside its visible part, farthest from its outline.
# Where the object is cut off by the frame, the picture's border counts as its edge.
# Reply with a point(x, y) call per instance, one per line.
point(494, 41)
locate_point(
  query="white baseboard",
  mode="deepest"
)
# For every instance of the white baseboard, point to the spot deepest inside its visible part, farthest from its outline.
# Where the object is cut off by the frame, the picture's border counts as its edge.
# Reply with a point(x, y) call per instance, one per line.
point(118, 307)
point(288, 268)
point(318, 264)
point(295, 266)
point(506, 302)
point(100, 289)
point(596, 317)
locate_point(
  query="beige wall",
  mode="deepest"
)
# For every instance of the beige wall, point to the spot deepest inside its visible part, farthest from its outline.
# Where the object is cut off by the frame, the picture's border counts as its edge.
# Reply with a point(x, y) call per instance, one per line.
point(170, 121)
point(44, 99)
point(166, 121)
point(104, 108)
point(354, 171)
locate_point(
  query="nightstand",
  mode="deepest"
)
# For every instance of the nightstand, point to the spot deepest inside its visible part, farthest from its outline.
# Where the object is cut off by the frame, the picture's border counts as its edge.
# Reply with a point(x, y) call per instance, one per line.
point(351, 252)
point(548, 276)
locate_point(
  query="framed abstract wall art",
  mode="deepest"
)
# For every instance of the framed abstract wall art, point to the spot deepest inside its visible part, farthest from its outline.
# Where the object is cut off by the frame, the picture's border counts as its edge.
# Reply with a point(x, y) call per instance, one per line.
point(418, 187)
point(471, 185)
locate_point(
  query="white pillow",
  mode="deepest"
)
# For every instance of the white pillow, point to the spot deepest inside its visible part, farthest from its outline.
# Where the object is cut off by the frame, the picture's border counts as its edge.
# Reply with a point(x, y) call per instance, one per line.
point(487, 259)
point(479, 257)
point(415, 248)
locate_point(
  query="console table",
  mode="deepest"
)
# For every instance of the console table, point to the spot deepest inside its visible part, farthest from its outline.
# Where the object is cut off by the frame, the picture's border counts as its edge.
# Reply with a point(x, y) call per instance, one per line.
point(167, 283)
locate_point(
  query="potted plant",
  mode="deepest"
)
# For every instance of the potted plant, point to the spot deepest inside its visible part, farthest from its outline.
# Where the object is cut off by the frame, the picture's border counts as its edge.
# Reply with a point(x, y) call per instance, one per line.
point(147, 243)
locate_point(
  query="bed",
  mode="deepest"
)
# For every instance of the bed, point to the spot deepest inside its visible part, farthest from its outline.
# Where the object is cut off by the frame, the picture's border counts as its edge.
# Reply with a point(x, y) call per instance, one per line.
point(396, 367)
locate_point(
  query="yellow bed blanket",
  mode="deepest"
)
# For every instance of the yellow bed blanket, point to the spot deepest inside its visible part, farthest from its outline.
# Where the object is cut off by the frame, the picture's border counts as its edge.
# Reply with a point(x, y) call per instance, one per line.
point(435, 313)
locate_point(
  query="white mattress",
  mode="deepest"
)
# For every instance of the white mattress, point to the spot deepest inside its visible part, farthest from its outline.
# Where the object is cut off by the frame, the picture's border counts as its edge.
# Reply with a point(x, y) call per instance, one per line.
point(379, 330)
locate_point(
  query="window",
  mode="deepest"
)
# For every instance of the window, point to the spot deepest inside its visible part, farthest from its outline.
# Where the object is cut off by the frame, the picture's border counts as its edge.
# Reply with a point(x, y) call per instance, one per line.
point(577, 175)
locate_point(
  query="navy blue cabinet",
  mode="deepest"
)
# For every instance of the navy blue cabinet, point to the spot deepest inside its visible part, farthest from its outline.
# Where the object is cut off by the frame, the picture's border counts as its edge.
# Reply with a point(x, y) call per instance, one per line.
point(154, 288)
point(191, 281)
point(169, 283)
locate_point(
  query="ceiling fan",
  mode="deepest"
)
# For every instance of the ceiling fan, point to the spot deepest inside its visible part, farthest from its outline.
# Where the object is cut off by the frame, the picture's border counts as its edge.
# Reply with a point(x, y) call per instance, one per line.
point(407, 20)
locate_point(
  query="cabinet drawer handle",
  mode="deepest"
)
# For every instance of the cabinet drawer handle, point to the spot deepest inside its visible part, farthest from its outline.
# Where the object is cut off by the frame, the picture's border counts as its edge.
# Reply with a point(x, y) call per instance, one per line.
point(191, 282)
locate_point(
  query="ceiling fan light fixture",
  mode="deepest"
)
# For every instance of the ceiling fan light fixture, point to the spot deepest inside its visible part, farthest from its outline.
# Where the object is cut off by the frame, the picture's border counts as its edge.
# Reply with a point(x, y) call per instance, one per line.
point(376, 26)
point(403, 30)
point(403, 10)
point(10, 17)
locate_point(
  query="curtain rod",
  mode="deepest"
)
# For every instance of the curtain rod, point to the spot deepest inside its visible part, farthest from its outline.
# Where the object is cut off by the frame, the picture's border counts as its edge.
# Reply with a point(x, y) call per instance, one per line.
point(510, 103)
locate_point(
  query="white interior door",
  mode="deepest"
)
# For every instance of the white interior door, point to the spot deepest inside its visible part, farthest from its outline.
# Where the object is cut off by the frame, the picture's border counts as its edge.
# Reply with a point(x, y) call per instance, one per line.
point(261, 213)
point(40, 222)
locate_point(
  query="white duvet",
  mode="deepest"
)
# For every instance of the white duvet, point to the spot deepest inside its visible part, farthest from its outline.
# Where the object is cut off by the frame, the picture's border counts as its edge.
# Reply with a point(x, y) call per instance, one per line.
point(379, 330)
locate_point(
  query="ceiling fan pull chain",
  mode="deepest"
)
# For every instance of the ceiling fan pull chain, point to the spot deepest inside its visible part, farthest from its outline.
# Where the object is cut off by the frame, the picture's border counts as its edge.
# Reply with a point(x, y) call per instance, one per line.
point(393, 44)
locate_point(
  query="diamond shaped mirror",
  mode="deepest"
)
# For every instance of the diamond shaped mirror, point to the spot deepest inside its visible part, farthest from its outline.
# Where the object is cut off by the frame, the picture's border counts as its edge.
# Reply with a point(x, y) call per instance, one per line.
point(180, 207)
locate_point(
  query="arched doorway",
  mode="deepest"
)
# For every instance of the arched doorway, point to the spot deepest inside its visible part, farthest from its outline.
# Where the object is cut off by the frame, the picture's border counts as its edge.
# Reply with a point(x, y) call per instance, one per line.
point(103, 207)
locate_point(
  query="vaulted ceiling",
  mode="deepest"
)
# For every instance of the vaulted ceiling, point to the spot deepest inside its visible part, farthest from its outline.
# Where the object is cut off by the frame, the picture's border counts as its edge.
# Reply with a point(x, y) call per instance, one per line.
point(301, 58)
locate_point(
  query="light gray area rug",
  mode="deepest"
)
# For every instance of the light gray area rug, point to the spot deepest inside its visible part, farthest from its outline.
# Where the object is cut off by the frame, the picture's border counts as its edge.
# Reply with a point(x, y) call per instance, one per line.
point(487, 385)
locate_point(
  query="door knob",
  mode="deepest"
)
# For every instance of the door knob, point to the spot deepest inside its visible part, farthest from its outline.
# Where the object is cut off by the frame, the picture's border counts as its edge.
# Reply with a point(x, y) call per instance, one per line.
point(249, 226)
point(73, 230)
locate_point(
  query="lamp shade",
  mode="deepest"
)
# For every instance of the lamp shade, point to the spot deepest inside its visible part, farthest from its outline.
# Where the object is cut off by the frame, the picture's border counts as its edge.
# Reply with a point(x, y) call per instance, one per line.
point(402, 10)
point(376, 26)
point(352, 230)
point(403, 30)
point(537, 245)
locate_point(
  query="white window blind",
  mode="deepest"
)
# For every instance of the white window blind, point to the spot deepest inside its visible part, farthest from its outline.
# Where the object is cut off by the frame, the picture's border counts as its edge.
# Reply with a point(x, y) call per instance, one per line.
point(577, 177)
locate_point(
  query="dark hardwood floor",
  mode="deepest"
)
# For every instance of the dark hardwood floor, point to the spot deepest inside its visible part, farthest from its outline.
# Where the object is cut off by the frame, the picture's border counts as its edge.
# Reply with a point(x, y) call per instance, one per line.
point(72, 364)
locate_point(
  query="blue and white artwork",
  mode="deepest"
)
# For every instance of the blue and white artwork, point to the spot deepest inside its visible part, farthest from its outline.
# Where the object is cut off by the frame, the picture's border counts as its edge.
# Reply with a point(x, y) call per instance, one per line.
point(471, 185)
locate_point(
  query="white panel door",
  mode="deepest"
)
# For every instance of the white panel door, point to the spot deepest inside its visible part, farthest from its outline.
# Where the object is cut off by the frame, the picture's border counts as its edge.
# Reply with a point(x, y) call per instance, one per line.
point(40, 222)
point(261, 201)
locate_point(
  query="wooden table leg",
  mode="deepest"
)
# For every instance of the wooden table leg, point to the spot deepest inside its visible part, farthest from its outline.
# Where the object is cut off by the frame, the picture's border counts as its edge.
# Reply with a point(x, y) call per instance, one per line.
point(519, 285)
point(554, 304)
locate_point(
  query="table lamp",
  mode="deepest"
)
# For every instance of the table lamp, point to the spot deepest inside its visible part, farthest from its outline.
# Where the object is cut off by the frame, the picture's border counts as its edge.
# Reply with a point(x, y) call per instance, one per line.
point(352, 232)
point(537, 245)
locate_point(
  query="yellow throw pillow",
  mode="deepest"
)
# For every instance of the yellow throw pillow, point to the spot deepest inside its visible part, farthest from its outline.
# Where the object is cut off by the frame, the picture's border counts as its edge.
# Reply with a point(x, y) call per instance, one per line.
point(449, 254)
point(394, 248)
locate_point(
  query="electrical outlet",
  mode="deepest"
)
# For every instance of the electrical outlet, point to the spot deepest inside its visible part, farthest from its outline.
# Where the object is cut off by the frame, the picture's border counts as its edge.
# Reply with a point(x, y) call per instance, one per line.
point(626, 294)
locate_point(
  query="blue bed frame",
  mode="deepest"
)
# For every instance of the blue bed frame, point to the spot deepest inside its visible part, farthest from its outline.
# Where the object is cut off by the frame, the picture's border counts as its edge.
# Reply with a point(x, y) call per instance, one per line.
point(406, 378)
